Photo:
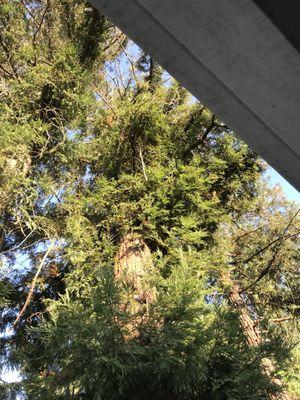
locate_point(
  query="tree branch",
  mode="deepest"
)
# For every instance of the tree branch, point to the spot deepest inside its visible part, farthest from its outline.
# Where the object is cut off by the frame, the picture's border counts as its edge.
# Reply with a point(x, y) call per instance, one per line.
point(27, 9)
point(30, 294)
point(258, 252)
point(201, 140)
point(107, 103)
point(279, 242)
point(282, 319)
point(143, 165)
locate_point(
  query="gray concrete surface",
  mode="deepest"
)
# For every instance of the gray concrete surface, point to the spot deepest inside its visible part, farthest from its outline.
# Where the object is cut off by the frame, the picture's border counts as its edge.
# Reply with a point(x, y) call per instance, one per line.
point(230, 56)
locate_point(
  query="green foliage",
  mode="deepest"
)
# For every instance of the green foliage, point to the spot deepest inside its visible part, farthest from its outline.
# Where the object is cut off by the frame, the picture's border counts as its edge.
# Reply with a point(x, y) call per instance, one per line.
point(185, 348)
point(95, 147)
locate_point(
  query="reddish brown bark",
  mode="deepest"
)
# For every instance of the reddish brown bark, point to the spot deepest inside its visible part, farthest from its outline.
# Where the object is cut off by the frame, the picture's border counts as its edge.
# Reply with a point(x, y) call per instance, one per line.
point(132, 262)
point(252, 333)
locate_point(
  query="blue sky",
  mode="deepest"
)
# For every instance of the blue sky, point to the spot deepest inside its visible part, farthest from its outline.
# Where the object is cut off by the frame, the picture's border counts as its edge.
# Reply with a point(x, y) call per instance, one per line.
point(290, 192)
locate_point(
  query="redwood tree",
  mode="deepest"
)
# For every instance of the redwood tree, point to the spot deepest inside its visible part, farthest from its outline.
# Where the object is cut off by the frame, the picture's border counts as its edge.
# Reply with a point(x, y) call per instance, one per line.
point(143, 255)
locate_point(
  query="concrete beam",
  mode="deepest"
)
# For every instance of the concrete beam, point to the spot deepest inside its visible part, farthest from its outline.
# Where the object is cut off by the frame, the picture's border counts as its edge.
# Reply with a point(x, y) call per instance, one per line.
point(230, 56)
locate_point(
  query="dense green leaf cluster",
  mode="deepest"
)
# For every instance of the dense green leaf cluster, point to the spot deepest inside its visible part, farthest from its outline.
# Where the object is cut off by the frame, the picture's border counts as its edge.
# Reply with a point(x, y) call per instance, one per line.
point(96, 146)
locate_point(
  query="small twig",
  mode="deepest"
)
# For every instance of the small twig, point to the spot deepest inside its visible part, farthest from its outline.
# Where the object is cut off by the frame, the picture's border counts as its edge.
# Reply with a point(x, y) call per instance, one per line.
point(112, 42)
point(246, 233)
point(6, 71)
point(287, 318)
point(18, 245)
point(35, 314)
point(30, 294)
point(40, 23)
point(143, 165)
point(27, 9)
point(115, 81)
point(131, 62)
point(107, 103)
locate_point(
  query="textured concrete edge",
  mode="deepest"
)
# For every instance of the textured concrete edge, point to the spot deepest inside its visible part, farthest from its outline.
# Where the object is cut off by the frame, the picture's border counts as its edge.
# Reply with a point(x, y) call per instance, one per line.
point(153, 37)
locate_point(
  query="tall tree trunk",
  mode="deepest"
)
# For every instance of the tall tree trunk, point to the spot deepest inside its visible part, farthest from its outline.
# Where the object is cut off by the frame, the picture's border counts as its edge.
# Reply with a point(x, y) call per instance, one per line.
point(252, 333)
point(132, 261)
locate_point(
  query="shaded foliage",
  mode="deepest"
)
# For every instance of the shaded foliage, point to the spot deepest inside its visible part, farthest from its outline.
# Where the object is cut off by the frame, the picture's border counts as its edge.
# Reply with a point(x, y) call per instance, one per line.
point(95, 145)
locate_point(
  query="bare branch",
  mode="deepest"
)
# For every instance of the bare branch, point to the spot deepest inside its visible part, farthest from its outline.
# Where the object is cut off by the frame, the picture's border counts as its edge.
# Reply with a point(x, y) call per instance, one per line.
point(282, 319)
point(27, 9)
point(18, 245)
point(280, 238)
point(278, 243)
point(30, 294)
point(143, 165)
point(107, 103)
point(132, 64)
point(40, 23)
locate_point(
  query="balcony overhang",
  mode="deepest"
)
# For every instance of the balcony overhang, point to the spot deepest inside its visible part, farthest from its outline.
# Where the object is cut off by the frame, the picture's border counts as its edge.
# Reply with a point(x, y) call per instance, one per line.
point(238, 57)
